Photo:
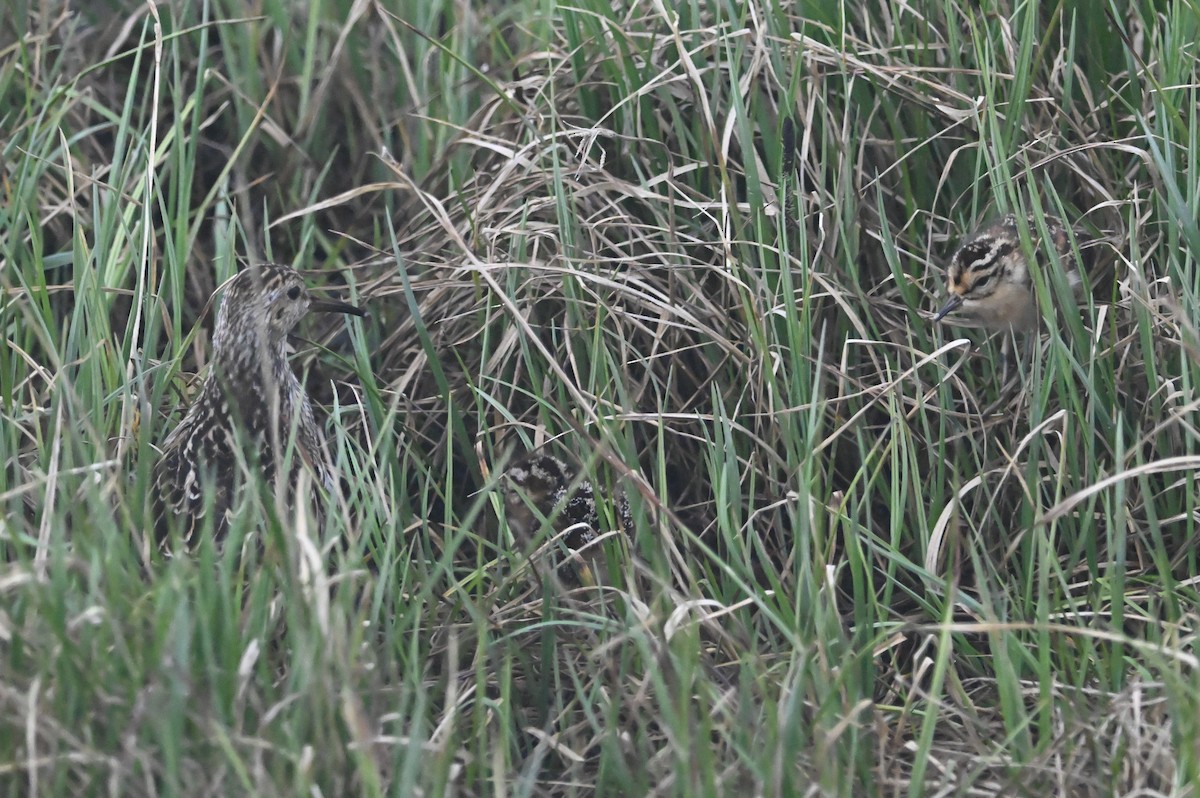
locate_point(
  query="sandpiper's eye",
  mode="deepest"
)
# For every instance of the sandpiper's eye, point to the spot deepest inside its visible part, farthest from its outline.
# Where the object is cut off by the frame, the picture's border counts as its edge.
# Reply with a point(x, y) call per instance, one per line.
point(980, 282)
point(294, 292)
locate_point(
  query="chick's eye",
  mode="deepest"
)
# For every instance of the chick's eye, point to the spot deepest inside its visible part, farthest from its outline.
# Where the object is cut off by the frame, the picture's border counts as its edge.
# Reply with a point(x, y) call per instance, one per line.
point(984, 280)
point(294, 292)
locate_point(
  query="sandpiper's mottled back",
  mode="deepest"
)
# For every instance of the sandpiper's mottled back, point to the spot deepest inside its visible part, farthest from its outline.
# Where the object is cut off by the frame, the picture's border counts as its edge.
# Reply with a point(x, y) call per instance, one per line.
point(247, 406)
point(541, 488)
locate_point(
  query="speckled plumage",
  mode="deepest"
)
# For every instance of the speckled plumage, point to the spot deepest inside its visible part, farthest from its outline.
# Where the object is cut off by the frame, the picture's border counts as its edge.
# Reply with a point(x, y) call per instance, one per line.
point(247, 405)
point(988, 277)
point(540, 487)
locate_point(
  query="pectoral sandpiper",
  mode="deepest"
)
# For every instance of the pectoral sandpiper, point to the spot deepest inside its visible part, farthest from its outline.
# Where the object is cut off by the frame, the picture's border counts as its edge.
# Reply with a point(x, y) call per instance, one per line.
point(541, 489)
point(248, 408)
point(989, 280)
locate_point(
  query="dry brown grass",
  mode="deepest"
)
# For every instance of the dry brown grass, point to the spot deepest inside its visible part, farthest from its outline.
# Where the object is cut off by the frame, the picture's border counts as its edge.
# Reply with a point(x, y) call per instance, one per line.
point(698, 252)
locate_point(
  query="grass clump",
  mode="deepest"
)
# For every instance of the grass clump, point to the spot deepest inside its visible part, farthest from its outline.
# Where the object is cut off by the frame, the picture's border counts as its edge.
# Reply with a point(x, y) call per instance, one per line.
point(695, 248)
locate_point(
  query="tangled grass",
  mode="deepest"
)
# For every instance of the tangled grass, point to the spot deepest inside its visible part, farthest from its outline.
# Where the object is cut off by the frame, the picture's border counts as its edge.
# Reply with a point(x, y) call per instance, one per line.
point(695, 248)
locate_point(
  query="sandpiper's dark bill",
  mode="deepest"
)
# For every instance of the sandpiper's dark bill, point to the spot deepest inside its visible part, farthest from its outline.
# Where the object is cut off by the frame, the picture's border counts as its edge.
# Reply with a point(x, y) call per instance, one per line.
point(327, 306)
point(952, 305)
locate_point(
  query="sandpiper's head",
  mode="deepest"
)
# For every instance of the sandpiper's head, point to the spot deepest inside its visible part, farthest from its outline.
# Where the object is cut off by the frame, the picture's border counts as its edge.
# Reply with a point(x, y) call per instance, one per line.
point(262, 304)
point(988, 275)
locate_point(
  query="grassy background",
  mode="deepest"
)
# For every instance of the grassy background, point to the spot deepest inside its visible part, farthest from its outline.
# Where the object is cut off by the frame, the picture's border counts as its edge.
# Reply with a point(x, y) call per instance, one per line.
point(696, 246)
